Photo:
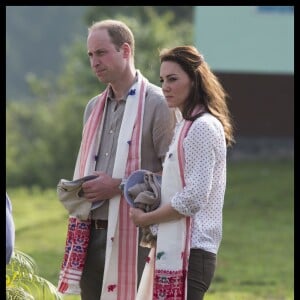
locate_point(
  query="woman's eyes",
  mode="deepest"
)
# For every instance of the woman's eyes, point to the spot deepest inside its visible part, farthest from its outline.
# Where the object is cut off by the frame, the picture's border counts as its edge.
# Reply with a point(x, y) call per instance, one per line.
point(170, 79)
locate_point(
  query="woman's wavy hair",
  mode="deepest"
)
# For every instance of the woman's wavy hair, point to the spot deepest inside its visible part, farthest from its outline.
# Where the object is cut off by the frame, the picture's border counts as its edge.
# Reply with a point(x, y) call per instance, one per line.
point(206, 90)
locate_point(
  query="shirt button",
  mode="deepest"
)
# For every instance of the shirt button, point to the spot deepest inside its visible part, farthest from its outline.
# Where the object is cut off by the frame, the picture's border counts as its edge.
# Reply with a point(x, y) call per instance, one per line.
point(111, 131)
point(106, 154)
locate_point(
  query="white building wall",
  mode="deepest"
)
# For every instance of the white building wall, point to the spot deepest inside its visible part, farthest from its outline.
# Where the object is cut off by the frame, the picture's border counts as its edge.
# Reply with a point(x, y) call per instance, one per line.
point(246, 38)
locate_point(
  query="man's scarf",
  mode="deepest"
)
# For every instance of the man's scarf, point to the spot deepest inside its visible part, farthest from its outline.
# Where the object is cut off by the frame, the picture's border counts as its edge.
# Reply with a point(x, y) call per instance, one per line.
point(166, 270)
point(122, 234)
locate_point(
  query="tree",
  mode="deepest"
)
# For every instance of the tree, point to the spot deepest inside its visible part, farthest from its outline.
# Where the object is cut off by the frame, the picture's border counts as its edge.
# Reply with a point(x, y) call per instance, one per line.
point(43, 135)
point(33, 42)
point(180, 13)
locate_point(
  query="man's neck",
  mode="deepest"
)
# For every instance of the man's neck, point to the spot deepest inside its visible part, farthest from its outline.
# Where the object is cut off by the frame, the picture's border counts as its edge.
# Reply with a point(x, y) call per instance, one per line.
point(120, 88)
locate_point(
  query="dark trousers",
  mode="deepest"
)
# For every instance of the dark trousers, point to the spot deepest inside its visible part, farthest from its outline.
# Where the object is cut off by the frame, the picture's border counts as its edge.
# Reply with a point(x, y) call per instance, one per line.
point(92, 275)
point(202, 265)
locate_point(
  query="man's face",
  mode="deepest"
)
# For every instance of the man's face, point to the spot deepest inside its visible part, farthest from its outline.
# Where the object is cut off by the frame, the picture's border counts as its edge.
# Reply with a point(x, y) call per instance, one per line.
point(106, 61)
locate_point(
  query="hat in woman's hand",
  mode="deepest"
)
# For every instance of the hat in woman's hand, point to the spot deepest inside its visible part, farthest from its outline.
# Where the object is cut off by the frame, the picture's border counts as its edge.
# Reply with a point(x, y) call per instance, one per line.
point(142, 188)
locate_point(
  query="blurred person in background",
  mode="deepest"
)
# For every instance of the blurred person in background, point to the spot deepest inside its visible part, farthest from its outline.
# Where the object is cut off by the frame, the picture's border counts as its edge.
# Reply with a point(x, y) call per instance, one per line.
point(188, 223)
point(10, 230)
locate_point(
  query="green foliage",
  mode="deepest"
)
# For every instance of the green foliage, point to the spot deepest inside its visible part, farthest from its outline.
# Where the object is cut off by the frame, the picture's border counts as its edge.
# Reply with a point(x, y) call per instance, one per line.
point(23, 282)
point(158, 33)
point(257, 247)
point(255, 259)
point(141, 13)
point(34, 35)
point(43, 134)
point(37, 49)
point(26, 147)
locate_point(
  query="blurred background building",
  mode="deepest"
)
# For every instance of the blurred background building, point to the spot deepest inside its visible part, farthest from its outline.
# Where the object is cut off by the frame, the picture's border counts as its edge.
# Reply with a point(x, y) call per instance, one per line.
point(251, 49)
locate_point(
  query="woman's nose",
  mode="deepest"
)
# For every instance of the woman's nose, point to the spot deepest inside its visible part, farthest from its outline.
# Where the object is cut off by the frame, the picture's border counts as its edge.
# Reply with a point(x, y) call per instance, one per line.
point(165, 87)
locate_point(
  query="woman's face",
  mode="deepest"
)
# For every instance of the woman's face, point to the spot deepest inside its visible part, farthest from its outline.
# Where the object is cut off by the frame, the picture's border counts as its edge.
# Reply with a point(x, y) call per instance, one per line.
point(176, 84)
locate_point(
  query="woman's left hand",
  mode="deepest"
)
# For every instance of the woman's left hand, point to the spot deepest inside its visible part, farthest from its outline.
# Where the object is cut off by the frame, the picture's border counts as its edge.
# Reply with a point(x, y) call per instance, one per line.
point(136, 216)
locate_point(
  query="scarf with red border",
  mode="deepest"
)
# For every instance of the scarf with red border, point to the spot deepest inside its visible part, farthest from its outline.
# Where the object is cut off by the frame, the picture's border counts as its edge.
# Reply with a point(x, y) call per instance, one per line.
point(165, 274)
point(122, 234)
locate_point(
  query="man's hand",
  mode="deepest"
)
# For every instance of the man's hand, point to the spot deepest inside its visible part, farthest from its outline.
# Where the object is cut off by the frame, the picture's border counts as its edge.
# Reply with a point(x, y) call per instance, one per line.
point(101, 188)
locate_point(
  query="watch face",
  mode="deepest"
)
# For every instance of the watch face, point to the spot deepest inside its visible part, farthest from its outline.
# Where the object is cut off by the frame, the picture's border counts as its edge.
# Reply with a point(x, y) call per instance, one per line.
point(121, 187)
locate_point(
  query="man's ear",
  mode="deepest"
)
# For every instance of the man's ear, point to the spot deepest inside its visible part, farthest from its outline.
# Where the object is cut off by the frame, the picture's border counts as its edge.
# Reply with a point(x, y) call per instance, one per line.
point(126, 50)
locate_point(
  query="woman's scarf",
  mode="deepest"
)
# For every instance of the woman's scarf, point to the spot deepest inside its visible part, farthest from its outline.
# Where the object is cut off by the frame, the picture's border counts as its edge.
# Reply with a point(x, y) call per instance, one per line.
point(172, 249)
point(122, 234)
point(166, 270)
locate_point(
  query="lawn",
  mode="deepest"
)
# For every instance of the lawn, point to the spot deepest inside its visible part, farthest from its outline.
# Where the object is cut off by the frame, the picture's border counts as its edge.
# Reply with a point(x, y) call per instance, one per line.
point(256, 256)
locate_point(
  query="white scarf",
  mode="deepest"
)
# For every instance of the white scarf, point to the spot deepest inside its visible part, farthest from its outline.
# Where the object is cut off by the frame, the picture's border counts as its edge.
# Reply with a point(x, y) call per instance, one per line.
point(165, 274)
point(122, 234)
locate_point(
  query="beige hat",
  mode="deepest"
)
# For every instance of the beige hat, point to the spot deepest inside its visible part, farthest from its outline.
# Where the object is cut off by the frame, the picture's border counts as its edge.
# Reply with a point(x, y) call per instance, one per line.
point(142, 190)
point(71, 195)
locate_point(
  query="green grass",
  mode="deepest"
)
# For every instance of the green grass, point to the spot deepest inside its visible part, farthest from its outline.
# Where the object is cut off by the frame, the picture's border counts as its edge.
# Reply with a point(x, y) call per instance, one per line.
point(256, 256)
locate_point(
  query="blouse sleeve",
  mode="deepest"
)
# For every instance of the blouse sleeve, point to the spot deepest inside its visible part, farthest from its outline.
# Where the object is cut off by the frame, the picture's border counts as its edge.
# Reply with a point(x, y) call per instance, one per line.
point(202, 147)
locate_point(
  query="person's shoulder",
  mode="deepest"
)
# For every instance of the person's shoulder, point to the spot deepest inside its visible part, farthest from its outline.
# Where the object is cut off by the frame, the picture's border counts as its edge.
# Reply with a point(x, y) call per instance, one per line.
point(155, 97)
point(155, 90)
point(207, 124)
point(89, 107)
point(207, 118)
point(153, 86)
point(91, 103)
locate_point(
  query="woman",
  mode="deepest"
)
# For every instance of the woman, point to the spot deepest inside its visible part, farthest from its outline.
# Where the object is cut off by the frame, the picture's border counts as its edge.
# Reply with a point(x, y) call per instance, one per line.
point(189, 218)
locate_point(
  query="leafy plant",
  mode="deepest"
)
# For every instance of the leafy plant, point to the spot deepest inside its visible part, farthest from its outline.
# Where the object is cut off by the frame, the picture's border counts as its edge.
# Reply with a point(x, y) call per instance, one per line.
point(23, 282)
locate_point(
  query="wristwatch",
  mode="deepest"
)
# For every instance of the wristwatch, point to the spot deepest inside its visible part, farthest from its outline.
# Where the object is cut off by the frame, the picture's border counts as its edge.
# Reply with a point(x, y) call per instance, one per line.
point(122, 185)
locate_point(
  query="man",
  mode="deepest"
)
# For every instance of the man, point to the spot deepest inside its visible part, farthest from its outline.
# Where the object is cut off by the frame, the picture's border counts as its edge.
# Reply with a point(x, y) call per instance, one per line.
point(127, 127)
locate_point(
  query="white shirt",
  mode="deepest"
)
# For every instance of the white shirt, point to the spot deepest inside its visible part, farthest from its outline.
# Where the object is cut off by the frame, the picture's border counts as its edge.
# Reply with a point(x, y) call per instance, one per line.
point(202, 197)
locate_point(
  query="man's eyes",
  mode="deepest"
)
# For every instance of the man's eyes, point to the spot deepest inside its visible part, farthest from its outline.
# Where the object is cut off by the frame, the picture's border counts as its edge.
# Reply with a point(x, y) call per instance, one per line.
point(100, 52)
point(97, 53)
